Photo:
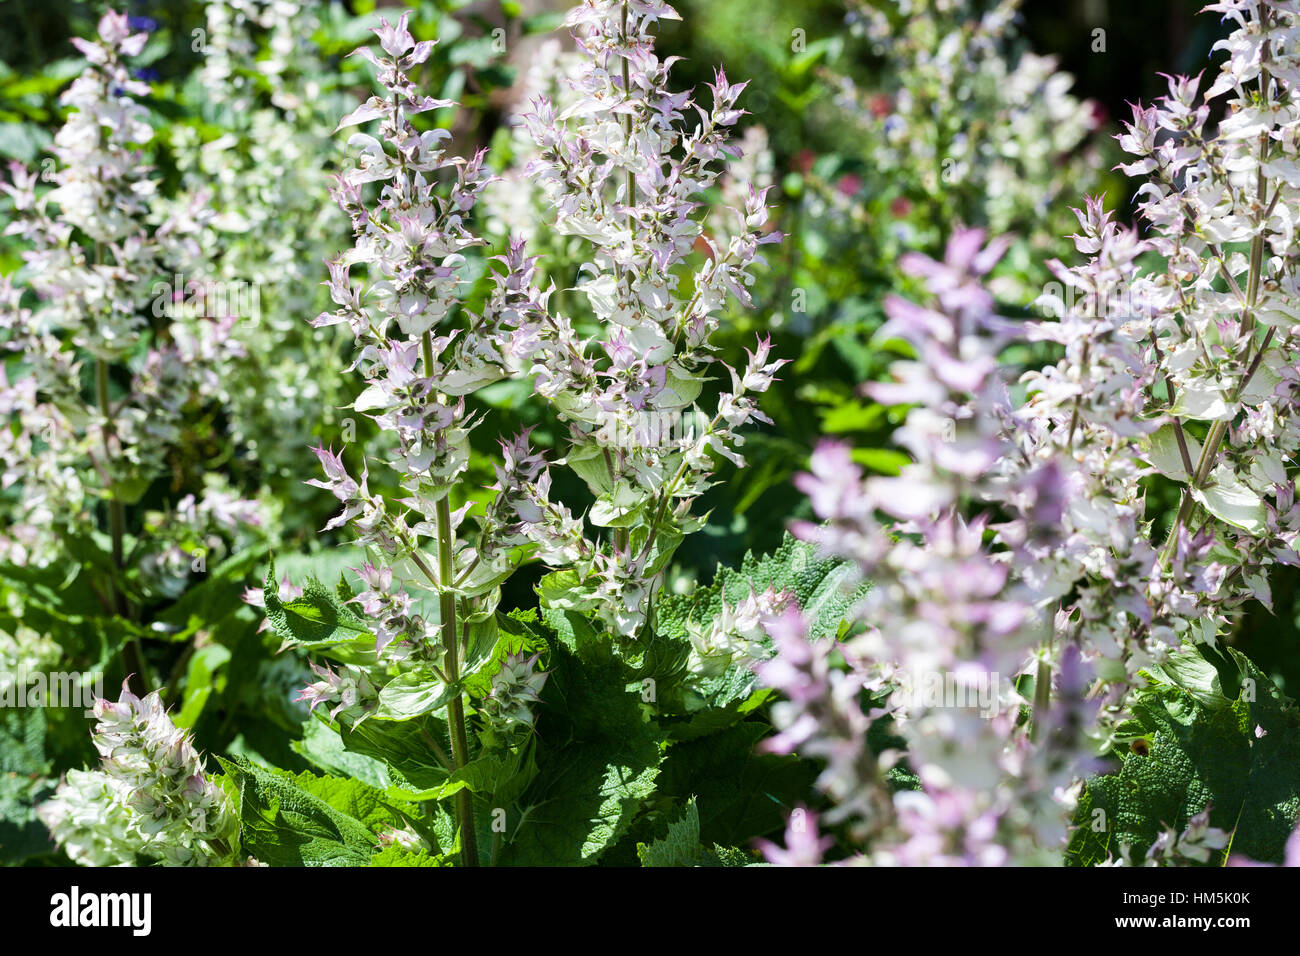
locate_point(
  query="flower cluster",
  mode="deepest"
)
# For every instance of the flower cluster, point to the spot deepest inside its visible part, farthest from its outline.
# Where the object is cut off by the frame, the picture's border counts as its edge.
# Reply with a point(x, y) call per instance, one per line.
point(266, 90)
point(515, 689)
point(96, 243)
point(952, 620)
point(735, 635)
point(150, 798)
point(1198, 843)
point(623, 171)
point(621, 392)
point(412, 247)
point(641, 450)
point(1185, 370)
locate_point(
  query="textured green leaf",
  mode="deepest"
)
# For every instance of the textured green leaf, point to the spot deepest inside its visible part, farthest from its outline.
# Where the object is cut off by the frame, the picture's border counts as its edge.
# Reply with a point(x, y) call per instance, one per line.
point(519, 633)
point(306, 820)
point(824, 589)
point(317, 619)
point(742, 794)
point(498, 777)
point(1237, 750)
point(400, 856)
point(23, 782)
point(681, 847)
point(598, 755)
point(374, 808)
point(22, 835)
point(584, 798)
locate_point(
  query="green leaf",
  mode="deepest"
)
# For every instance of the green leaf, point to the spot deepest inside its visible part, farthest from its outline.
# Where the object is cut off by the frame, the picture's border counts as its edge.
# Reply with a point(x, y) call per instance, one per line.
point(22, 836)
point(681, 847)
point(200, 682)
point(328, 564)
point(590, 464)
point(519, 633)
point(499, 777)
point(1194, 674)
point(742, 794)
point(1236, 749)
point(306, 820)
point(24, 767)
point(566, 591)
point(624, 507)
point(394, 855)
point(412, 694)
point(318, 619)
point(403, 748)
point(322, 746)
point(825, 590)
point(1165, 455)
point(1230, 499)
point(374, 808)
point(1204, 401)
point(886, 461)
point(598, 754)
point(584, 798)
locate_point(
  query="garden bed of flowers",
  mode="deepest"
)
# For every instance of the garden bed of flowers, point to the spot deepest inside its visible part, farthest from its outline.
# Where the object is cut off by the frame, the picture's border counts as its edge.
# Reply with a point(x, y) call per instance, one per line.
point(499, 434)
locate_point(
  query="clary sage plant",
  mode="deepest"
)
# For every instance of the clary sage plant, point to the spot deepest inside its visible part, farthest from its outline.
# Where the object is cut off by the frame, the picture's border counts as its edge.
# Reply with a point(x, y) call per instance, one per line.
point(1023, 553)
point(1019, 649)
point(418, 653)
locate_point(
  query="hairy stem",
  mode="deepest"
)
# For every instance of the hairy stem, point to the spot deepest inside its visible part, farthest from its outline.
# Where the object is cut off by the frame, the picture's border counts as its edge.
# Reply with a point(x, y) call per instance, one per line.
point(630, 198)
point(620, 535)
point(450, 643)
point(456, 709)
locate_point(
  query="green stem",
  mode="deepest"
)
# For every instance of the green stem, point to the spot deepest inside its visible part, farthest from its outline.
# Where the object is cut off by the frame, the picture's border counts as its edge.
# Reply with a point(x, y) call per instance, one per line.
point(620, 536)
point(116, 514)
point(1042, 696)
point(630, 198)
point(1210, 450)
point(133, 655)
point(456, 709)
point(450, 642)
